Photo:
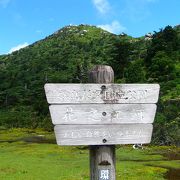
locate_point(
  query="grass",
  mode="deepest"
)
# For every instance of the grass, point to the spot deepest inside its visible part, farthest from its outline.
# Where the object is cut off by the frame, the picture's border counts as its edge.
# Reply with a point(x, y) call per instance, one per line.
point(44, 161)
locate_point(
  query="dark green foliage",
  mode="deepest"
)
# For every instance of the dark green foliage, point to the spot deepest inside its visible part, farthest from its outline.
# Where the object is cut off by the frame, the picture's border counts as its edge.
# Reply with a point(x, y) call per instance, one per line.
point(67, 56)
point(165, 40)
point(135, 72)
point(121, 51)
point(167, 123)
point(162, 67)
point(21, 116)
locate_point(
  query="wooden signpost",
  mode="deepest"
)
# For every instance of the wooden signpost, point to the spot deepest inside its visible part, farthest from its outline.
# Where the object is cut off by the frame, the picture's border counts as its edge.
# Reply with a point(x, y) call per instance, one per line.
point(102, 115)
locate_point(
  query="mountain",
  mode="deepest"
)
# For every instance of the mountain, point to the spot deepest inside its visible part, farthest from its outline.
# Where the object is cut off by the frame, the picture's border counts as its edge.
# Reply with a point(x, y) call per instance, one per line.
point(67, 55)
point(64, 56)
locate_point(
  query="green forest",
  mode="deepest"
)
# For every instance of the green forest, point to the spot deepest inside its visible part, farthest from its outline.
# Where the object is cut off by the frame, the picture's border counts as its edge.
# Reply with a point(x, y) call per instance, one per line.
point(68, 55)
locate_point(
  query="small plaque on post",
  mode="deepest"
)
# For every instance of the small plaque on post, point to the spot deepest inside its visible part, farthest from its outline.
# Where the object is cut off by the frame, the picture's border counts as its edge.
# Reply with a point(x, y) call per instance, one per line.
point(104, 174)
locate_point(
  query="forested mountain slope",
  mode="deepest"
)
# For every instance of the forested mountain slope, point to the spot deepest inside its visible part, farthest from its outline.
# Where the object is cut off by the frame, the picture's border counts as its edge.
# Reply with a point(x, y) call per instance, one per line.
point(67, 56)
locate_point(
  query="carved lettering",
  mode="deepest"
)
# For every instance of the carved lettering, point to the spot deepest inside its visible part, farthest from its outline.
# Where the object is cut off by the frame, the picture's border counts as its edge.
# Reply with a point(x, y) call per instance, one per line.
point(104, 174)
point(69, 115)
point(96, 133)
point(113, 95)
point(136, 94)
point(138, 115)
point(93, 115)
point(92, 93)
point(108, 95)
point(87, 133)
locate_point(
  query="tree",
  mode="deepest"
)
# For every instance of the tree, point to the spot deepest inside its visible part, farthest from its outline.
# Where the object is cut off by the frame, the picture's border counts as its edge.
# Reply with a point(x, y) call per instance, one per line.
point(135, 72)
point(121, 56)
point(162, 67)
point(165, 40)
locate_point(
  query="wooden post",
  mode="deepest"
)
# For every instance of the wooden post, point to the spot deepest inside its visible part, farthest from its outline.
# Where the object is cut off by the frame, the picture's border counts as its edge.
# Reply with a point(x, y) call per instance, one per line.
point(102, 158)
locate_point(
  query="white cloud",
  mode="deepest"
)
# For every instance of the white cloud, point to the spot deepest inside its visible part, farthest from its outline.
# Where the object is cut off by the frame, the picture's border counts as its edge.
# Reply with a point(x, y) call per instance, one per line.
point(16, 48)
point(102, 6)
point(4, 3)
point(115, 27)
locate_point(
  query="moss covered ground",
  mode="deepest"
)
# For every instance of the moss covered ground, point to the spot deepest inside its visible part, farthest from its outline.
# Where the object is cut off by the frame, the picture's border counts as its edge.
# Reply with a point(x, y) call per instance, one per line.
point(33, 155)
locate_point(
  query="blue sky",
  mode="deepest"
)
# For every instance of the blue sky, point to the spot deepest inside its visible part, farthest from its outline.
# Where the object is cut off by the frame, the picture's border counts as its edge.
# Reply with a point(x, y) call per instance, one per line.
point(23, 22)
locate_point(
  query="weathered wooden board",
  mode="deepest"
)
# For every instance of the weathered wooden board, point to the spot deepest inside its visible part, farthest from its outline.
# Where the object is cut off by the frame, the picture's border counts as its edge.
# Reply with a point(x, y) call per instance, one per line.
point(101, 93)
point(102, 113)
point(103, 134)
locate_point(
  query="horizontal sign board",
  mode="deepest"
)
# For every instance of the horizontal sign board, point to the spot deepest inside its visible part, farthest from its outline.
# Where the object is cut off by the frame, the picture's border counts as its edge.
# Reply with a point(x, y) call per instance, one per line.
point(103, 134)
point(101, 93)
point(102, 113)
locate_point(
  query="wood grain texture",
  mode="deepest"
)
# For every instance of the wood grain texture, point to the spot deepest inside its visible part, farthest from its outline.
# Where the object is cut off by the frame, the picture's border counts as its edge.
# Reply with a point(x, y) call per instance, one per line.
point(102, 113)
point(100, 154)
point(101, 74)
point(101, 93)
point(102, 158)
point(103, 134)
